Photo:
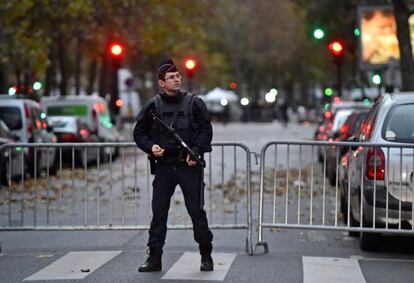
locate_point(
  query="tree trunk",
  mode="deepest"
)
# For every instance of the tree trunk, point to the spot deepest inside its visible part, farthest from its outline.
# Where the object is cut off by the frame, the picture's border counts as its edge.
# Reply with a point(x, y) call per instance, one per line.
point(92, 76)
point(50, 72)
point(402, 13)
point(78, 67)
point(26, 79)
point(104, 76)
point(62, 65)
point(18, 73)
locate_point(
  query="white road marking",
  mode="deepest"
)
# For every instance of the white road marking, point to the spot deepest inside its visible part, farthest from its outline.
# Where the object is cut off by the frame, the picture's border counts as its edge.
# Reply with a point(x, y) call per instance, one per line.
point(329, 269)
point(187, 267)
point(72, 264)
point(381, 259)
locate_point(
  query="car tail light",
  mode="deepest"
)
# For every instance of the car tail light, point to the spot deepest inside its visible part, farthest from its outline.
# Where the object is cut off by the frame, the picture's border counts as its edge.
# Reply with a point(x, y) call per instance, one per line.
point(344, 131)
point(68, 138)
point(375, 158)
point(345, 160)
point(84, 133)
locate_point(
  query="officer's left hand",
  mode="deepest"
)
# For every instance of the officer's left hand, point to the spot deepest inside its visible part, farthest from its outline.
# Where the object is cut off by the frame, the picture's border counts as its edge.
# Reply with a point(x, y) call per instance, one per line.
point(189, 161)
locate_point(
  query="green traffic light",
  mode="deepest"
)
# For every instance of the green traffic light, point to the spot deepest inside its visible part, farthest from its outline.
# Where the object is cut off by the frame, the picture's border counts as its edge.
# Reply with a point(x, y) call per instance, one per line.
point(357, 32)
point(328, 91)
point(37, 85)
point(376, 79)
point(366, 101)
point(318, 33)
point(326, 106)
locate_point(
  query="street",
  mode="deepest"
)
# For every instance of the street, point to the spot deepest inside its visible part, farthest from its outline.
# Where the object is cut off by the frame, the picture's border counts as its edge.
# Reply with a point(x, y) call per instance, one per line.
point(294, 255)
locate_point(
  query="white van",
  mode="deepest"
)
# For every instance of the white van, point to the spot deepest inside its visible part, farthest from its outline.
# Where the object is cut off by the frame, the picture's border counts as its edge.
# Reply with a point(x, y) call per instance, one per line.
point(25, 119)
point(91, 109)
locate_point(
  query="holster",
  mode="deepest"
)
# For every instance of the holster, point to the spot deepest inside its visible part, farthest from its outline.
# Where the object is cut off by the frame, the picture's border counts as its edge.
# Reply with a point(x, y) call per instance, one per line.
point(153, 163)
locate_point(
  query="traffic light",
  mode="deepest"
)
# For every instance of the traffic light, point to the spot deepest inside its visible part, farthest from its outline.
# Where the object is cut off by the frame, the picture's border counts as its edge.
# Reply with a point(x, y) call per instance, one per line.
point(116, 52)
point(328, 91)
point(318, 33)
point(233, 85)
point(190, 67)
point(337, 48)
point(376, 78)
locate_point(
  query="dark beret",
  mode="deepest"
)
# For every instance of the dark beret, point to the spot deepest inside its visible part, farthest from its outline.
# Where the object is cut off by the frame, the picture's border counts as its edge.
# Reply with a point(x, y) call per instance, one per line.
point(166, 65)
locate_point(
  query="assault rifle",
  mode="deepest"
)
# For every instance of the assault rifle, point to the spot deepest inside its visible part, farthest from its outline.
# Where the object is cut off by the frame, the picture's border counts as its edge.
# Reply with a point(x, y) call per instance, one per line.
point(200, 163)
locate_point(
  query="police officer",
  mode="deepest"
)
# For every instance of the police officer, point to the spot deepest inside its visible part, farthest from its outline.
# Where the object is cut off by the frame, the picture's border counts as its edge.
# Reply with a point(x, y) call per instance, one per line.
point(171, 165)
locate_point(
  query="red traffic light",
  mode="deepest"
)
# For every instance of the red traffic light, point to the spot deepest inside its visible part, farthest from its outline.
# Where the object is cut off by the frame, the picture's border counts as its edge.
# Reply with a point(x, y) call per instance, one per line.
point(119, 102)
point(336, 47)
point(190, 64)
point(116, 49)
point(233, 85)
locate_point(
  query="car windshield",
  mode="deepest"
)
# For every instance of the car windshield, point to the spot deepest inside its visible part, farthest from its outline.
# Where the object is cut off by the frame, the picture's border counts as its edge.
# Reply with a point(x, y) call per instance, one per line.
point(340, 118)
point(399, 124)
point(11, 116)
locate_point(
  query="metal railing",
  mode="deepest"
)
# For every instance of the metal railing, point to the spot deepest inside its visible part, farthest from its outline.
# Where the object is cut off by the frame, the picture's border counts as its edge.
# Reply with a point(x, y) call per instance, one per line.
point(100, 186)
point(361, 188)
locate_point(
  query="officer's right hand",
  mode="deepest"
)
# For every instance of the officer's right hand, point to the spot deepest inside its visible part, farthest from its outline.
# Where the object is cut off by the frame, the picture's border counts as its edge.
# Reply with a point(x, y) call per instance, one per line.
point(157, 150)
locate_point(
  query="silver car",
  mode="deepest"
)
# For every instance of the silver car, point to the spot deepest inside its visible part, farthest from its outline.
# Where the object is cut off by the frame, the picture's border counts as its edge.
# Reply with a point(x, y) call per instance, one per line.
point(384, 174)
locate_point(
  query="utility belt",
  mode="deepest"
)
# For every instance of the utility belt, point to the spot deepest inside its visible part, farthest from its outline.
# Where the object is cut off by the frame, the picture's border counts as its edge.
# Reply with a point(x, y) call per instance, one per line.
point(172, 157)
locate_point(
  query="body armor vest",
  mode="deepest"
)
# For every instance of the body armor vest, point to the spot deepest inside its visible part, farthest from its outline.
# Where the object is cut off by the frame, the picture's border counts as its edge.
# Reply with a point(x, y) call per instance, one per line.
point(178, 115)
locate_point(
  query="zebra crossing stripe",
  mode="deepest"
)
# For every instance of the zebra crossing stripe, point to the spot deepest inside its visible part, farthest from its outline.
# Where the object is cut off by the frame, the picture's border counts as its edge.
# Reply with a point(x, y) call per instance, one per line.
point(187, 267)
point(74, 265)
point(330, 269)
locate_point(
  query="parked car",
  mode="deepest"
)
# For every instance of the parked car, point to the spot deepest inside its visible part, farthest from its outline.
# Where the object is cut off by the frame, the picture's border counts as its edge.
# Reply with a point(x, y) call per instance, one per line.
point(339, 132)
point(349, 130)
point(92, 111)
point(70, 129)
point(331, 123)
point(25, 119)
point(11, 164)
point(384, 174)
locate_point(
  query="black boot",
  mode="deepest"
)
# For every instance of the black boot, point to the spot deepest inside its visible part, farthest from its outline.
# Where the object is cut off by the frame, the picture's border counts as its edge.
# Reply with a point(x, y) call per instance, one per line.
point(206, 259)
point(153, 262)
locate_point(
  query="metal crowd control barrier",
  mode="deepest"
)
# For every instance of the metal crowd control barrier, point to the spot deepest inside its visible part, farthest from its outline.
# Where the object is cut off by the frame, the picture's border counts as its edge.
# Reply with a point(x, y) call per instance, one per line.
point(73, 186)
point(361, 188)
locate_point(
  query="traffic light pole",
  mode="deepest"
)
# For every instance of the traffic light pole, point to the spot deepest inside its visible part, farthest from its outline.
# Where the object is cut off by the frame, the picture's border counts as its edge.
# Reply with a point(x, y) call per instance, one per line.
point(114, 86)
point(190, 83)
point(338, 64)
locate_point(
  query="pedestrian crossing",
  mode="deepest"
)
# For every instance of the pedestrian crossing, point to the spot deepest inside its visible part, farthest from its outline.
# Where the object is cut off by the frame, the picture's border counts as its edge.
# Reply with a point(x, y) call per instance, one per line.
point(184, 267)
point(74, 265)
point(80, 264)
point(77, 265)
point(329, 269)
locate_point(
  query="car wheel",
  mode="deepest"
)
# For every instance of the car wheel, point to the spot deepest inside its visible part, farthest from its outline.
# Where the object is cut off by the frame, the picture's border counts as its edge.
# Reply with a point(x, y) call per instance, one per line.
point(332, 177)
point(344, 209)
point(353, 223)
point(80, 158)
point(368, 241)
point(4, 176)
point(31, 165)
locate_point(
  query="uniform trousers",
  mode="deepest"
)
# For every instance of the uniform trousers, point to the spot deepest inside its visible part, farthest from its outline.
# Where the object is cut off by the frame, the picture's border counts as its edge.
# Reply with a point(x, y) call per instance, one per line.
point(167, 177)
